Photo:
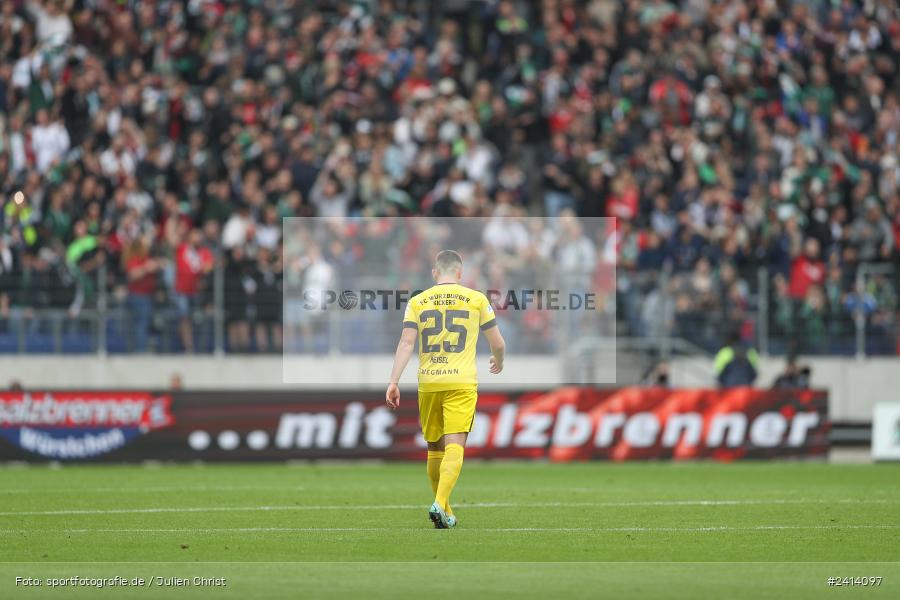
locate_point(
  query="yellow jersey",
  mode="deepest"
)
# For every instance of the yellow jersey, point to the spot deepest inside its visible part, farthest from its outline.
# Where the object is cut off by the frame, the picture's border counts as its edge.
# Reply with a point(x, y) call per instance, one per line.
point(448, 318)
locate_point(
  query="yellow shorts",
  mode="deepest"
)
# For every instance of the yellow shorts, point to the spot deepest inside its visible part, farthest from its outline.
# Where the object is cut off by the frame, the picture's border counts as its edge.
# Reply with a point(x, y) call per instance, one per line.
point(450, 411)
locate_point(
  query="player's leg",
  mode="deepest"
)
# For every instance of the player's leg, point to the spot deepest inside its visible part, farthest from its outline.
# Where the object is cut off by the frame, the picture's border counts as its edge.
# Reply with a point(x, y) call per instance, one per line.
point(433, 465)
point(432, 420)
point(459, 415)
point(451, 466)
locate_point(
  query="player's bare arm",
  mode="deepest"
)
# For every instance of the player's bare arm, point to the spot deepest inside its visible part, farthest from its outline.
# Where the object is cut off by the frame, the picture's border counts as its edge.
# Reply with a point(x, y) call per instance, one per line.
point(404, 351)
point(498, 348)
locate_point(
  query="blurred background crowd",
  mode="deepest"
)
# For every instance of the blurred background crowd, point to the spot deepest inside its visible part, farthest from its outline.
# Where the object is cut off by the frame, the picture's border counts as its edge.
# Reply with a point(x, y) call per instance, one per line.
point(748, 149)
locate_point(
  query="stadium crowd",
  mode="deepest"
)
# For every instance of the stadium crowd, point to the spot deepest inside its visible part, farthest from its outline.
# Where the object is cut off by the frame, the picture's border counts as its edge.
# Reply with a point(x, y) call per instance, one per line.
point(153, 140)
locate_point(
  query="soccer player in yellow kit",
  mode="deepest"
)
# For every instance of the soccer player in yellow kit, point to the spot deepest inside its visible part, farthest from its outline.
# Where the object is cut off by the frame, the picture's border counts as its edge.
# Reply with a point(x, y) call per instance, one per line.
point(446, 319)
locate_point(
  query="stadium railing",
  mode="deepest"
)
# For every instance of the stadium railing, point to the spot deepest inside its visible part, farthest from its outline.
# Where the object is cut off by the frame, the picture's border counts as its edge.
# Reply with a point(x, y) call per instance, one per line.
point(658, 314)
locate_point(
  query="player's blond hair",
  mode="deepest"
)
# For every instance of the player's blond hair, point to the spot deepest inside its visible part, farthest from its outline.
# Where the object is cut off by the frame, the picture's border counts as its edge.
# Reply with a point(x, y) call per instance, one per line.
point(448, 260)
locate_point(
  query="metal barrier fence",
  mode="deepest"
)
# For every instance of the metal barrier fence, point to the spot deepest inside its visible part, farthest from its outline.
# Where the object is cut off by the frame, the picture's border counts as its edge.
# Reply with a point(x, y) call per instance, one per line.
point(702, 310)
point(660, 312)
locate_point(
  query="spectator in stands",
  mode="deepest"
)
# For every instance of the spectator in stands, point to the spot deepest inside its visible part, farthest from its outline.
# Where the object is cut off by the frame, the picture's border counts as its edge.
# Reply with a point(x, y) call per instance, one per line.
point(267, 273)
point(318, 276)
point(49, 141)
point(9, 270)
point(83, 257)
point(141, 270)
point(872, 233)
point(53, 24)
point(240, 292)
point(812, 317)
point(193, 262)
point(558, 181)
point(268, 233)
point(806, 270)
point(732, 132)
point(329, 197)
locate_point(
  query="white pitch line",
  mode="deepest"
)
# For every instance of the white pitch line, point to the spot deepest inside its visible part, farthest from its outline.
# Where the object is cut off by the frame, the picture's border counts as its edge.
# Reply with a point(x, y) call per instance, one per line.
point(710, 529)
point(153, 489)
point(210, 509)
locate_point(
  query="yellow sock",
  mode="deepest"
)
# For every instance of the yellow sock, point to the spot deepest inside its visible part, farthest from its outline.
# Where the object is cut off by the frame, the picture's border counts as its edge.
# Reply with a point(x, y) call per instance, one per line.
point(434, 472)
point(434, 468)
point(450, 468)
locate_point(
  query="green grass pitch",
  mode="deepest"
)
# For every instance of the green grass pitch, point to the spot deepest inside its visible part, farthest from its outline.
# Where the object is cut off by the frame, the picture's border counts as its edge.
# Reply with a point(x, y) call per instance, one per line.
point(338, 530)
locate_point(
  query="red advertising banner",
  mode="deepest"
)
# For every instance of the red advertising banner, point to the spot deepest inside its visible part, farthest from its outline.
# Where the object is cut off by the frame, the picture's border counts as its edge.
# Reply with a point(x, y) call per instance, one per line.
point(654, 423)
point(79, 425)
point(571, 423)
